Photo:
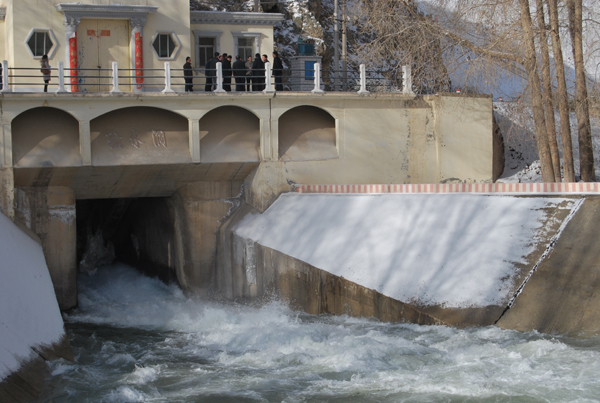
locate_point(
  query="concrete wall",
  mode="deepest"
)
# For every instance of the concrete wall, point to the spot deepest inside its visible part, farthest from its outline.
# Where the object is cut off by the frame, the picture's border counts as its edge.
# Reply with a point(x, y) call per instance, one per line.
point(252, 272)
point(377, 139)
point(50, 214)
point(563, 294)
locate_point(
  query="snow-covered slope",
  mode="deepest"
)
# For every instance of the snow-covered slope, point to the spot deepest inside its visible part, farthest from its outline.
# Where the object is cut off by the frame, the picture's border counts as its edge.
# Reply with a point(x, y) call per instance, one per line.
point(30, 316)
point(451, 250)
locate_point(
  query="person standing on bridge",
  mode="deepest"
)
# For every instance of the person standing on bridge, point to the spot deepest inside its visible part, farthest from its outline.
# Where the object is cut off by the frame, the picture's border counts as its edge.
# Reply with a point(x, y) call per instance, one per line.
point(45, 69)
point(188, 75)
point(226, 72)
point(209, 72)
point(258, 72)
point(239, 72)
point(277, 72)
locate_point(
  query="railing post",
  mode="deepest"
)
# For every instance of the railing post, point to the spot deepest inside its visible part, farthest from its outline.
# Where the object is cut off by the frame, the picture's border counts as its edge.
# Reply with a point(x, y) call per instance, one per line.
point(5, 83)
point(363, 80)
point(168, 88)
point(269, 88)
point(317, 89)
point(407, 81)
point(219, 89)
point(61, 77)
point(115, 78)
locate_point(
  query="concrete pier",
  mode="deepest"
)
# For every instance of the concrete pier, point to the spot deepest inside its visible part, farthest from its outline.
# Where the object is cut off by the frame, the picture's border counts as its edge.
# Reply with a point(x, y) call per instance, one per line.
point(50, 214)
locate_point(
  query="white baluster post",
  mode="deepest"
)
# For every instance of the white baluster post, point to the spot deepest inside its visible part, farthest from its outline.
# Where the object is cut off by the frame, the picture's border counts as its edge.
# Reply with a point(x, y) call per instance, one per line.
point(269, 88)
point(5, 83)
point(61, 77)
point(317, 89)
point(363, 80)
point(168, 88)
point(115, 78)
point(219, 89)
point(407, 80)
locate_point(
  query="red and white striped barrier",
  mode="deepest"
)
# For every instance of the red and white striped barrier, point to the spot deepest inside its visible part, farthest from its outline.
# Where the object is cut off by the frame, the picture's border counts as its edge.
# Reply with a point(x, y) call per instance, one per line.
point(557, 188)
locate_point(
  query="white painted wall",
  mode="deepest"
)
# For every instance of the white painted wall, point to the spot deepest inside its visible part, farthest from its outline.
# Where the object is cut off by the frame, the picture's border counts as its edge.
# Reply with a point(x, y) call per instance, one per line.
point(29, 314)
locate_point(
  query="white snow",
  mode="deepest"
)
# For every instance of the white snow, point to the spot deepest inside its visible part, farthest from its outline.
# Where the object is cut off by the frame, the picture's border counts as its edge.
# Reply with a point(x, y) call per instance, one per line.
point(451, 250)
point(29, 314)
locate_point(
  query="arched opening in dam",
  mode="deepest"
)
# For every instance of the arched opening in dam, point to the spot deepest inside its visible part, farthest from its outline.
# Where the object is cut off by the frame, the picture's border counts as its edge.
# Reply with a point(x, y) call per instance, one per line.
point(45, 137)
point(307, 133)
point(229, 134)
point(139, 135)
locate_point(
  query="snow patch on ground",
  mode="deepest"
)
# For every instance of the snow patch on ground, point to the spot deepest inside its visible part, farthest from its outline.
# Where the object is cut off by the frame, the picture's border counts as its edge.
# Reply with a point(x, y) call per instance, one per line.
point(29, 314)
point(451, 250)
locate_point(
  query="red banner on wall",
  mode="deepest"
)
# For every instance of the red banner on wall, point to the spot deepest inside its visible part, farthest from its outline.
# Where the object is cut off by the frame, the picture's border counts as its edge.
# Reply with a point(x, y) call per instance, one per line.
point(139, 61)
point(73, 62)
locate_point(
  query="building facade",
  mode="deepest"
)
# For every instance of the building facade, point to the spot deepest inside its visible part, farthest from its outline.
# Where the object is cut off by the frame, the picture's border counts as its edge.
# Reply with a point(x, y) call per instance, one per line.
point(140, 35)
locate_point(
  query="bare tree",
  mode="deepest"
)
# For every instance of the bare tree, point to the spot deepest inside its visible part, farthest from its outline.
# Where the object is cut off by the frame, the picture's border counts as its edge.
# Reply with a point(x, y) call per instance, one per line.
point(536, 95)
point(586, 152)
point(547, 86)
point(561, 91)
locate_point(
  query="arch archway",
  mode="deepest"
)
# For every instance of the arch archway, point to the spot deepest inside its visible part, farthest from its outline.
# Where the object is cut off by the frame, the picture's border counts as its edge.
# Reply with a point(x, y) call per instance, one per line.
point(307, 133)
point(140, 135)
point(229, 134)
point(45, 137)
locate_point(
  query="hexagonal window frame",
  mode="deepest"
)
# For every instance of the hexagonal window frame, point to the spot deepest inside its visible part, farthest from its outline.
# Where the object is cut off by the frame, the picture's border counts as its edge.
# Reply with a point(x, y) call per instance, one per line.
point(52, 38)
point(175, 40)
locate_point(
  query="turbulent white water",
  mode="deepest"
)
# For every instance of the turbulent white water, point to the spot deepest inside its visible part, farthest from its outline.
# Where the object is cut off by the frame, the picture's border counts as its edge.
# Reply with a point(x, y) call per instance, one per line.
point(139, 340)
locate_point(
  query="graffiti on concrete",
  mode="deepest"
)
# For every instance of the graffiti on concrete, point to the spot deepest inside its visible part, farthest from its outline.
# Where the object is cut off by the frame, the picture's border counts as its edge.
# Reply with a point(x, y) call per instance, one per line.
point(114, 140)
point(160, 138)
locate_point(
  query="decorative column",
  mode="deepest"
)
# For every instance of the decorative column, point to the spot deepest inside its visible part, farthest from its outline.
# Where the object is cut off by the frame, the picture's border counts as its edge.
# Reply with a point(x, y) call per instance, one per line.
point(137, 49)
point(71, 24)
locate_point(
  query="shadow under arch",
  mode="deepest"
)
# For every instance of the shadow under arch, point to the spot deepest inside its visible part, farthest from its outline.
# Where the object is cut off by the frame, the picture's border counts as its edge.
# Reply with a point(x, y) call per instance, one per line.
point(229, 134)
point(307, 133)
point(139, 135)
point(45, 137)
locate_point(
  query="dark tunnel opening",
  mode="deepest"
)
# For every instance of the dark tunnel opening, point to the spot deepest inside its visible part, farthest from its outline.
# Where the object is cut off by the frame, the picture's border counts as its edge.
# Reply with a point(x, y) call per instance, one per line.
point(134, 231)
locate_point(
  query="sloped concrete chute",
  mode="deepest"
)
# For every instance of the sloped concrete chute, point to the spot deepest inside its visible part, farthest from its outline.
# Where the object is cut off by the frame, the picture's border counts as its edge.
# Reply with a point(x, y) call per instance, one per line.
point(140, 135)
point(229, 134)
point(307, 133)
point(45, 137)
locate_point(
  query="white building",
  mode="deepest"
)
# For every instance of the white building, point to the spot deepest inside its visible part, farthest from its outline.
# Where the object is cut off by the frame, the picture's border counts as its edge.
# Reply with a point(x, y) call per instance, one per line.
point(140, 35)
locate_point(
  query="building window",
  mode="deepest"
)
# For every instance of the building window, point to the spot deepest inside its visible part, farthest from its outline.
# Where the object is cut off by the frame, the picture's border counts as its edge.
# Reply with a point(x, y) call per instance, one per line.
point(246, 44)
point(206, 50)
point(245, 47)
point(41, 42)
point(166, 45)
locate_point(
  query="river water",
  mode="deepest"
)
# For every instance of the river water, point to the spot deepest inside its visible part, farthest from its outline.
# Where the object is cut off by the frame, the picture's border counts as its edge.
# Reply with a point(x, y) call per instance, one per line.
point(138, 340)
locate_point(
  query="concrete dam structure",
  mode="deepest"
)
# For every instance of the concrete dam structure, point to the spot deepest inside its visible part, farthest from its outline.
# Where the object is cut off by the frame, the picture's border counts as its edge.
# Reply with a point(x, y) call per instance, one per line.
point(209, 192)
point(165, 171)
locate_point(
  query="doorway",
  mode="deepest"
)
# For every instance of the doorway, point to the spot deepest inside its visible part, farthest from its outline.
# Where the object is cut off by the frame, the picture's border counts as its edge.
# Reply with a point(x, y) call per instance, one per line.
point(100, 43)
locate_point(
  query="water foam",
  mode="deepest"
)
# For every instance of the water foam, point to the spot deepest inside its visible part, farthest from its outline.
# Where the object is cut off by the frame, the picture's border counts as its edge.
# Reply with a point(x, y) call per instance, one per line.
point(141, 340)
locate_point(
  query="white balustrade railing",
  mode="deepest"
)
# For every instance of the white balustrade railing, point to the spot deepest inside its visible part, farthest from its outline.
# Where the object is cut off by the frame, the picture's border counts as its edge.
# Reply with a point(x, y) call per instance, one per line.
point(268, 88)
point(168, 88)
point(317, 89)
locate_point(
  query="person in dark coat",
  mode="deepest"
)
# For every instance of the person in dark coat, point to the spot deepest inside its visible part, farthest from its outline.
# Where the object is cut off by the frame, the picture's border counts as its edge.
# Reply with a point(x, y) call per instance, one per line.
point(188, 74)
point(239, 71)
point(210, 72)
point(278, 72)
point(249, 74)
point(226, 72)
point(258, 73)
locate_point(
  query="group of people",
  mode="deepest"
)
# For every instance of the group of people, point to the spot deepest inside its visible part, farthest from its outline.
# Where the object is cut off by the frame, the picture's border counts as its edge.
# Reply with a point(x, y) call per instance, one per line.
point(249, 75)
